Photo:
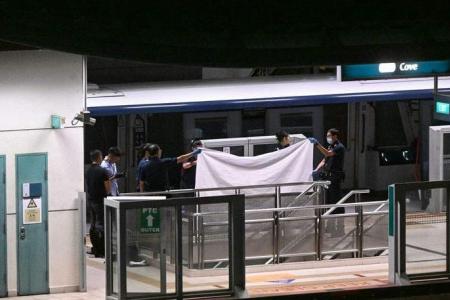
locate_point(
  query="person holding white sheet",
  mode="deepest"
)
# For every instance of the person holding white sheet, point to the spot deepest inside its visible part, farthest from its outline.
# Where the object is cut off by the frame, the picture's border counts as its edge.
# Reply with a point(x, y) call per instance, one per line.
point(331, 168)
point(283, 138)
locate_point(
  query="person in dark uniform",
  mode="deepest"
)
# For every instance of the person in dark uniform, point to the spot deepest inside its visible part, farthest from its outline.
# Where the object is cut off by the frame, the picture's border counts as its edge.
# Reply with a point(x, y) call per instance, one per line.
point(190, 167)
point(283, 138)
point(98, 187)
point(331, 168)
point(141, 164)
point(154, 177)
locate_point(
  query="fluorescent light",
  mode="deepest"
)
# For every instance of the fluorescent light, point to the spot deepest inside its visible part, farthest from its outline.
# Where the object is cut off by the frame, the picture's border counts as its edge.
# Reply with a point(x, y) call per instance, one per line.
point(387, 67)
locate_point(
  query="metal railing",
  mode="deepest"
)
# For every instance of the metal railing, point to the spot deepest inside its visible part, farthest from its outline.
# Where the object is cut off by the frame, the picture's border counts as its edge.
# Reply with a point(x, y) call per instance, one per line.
point(293, 219)
point(278, 220)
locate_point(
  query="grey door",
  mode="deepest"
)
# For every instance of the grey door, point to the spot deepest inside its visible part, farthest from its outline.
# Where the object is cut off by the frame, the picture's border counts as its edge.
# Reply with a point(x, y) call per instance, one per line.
point(3, 287)
point(32, 236)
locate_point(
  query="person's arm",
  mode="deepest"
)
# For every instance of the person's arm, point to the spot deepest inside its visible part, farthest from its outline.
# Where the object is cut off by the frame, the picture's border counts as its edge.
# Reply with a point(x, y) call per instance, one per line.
point(184, 158)
point(321, 148)
point(325, 151)
point(189, 164)
point(320, 165)
point(141, 186)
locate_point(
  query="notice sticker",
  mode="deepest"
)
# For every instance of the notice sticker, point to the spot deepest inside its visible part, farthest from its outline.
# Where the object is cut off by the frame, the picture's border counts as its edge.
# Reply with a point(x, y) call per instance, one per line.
point(32, 211)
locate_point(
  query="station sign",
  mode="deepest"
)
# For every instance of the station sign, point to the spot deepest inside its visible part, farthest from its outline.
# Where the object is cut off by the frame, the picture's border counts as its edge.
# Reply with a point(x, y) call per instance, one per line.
point(442, 107)
point(150, 220)
point(394, 70)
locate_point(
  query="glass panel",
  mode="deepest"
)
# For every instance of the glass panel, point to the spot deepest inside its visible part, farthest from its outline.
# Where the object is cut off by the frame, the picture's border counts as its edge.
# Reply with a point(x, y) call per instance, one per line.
point(339, 235)
point(425, 233)
point(375, 229)
point(189, 238)
point(297, 238)
point(212, 128)
point(150, 251)
point(259, 240)
point(210, 244)
point(115, 277)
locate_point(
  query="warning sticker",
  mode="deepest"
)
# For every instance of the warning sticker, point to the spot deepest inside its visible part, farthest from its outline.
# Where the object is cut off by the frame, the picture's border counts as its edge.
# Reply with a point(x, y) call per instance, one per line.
point(32, 211)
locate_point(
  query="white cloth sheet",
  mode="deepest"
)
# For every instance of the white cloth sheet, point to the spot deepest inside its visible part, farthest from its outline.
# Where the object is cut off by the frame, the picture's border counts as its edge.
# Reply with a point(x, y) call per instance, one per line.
point(219, 169)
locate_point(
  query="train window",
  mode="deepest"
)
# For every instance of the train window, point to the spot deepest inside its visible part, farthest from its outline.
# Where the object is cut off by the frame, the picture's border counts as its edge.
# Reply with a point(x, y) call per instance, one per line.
point(253, 123)
point(262, 149)
point(212, 128)
point(446, 143)
point(296, 120)
point(388, 125)
point(397, 156)
point(237, 150)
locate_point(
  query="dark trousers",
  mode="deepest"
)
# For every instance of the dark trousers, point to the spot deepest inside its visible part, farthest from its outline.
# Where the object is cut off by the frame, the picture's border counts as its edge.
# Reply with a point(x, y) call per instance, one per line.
point(97, 229)
point(334, 192)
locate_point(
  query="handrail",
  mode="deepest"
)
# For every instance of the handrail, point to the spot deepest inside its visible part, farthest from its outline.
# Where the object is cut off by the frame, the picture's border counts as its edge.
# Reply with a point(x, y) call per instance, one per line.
point(315, 183)
point(345, 198)
point(241, 187)
point(281, 209)
point(381, 206)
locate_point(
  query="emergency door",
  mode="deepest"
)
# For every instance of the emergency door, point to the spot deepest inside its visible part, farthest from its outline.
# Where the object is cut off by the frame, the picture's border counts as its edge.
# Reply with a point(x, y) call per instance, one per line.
point(32, 228)
point(3, 286)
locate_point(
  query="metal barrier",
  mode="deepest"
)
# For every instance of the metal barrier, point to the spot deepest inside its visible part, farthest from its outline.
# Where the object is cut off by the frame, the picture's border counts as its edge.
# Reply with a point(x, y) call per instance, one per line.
point(419, 249)
point(268, 196)
point(351, 242)
point(283, 226)
point(156, 279)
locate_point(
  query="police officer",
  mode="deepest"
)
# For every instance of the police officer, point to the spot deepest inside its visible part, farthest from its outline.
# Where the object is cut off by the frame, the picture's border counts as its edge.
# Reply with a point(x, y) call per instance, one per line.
point(283, 138)
point(190, 167)
point(331, 168)
point(141, 164)
point(154, 177)
point(98, 187)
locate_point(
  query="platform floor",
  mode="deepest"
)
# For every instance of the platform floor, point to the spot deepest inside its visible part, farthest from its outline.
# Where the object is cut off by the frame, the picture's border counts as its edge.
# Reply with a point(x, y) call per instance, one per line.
point(288, 281)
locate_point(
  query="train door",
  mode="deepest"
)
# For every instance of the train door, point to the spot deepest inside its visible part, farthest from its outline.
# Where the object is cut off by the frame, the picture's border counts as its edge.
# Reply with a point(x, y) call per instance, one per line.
point(215, 125)
point(382, 144)
point(302, 120)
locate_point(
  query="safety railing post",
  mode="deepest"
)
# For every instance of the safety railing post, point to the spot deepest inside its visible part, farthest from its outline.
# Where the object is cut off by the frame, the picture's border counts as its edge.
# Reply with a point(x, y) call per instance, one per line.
point(196, 230)
point(360, 226)
point(191, 238)
point(201, 240)
point(318, 236)
point(278, 226)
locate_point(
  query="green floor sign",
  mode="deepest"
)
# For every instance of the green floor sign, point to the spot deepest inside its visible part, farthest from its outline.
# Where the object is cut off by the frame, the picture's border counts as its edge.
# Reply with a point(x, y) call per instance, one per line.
point(150, 220)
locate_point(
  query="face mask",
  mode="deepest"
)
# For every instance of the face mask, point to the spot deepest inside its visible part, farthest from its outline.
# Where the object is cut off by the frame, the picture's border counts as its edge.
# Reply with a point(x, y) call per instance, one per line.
point(329, 140)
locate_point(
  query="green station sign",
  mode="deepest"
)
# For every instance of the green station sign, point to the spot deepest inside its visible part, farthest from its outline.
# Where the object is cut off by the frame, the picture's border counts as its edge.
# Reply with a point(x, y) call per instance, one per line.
point(392, 70)
point(150, 220)
point(442, 107)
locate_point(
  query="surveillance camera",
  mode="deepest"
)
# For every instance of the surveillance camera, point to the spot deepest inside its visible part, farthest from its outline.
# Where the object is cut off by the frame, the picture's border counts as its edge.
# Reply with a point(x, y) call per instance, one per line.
point(85, 117)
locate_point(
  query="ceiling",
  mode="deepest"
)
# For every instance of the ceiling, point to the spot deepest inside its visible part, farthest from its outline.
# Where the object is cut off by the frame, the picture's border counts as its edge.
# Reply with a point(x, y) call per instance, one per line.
point(234, 33)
